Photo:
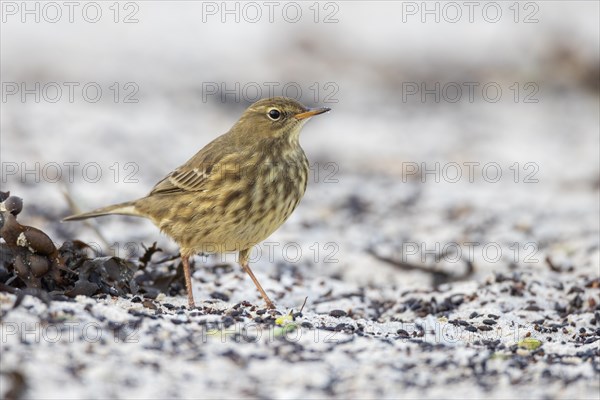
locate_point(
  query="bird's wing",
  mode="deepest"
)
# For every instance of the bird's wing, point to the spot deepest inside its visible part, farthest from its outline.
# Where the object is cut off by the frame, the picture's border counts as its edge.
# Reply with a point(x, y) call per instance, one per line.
point(192, 176)
point(182, 180)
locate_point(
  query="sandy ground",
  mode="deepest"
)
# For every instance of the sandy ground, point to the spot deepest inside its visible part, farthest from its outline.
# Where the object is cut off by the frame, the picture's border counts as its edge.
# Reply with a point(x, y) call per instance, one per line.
point(384, 208)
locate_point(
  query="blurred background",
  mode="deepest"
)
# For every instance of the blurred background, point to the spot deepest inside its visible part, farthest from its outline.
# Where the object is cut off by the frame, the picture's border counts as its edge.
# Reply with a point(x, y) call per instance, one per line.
point(451, 124)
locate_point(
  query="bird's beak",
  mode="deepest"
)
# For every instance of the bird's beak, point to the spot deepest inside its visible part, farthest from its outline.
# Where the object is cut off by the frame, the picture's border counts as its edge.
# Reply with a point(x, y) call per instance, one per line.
point(311, 112)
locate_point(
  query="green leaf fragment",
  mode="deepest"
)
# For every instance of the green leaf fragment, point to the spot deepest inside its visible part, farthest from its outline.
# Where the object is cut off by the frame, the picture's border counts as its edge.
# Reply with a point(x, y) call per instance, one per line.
point(530, 343)
point(284, 320)
point(285, 329)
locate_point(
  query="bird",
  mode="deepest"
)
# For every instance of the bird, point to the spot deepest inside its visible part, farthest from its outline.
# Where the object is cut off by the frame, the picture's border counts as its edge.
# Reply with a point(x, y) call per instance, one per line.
point(233, 193)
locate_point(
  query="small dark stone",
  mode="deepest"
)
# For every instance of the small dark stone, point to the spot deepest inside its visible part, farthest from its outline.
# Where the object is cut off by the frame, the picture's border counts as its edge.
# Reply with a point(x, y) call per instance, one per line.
point(219, 296)
point(343, 327)
point(491, 344)
point(471, 328)
point(356, 205)
point(147, 303)
point(533, 307)
point(484, 328)
point(234, 356)
point(420, 331)
point(403, 334)
point(326, 328)
point(494, 316)
point(577, 302)
point(489, 322)
point(473, 315)
point(560, 308)
point(575, 289)
point(338, 313)
point(136, 299)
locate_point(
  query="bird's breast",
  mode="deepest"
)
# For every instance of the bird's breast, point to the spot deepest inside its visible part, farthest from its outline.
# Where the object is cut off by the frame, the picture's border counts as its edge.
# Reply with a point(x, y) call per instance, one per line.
point(243, 207)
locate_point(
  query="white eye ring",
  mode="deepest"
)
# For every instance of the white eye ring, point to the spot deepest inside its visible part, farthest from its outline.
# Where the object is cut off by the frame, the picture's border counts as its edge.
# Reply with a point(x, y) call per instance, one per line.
point(274, 114)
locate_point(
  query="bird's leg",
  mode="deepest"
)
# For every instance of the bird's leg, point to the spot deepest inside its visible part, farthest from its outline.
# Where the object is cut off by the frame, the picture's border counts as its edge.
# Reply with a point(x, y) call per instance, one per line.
point(244, 263)
point(188, 280)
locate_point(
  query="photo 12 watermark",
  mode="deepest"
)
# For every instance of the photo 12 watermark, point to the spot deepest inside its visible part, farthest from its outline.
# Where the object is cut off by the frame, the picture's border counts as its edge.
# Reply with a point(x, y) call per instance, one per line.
point(470, 171)
point(68, 171)
point(470, 92)
point(452, 12)
point(253, 12)
point(250, 92)
point(129, 172)
point(68, 332)
point(468, 252)
point(72, 92)
point(54, 12)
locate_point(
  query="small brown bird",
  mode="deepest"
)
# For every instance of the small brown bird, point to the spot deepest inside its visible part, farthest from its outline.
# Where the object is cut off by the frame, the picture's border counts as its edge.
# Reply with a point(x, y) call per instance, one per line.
point(233, 193)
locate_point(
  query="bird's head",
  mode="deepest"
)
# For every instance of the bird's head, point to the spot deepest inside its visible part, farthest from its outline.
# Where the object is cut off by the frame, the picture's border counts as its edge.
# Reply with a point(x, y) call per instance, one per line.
point(276, 117)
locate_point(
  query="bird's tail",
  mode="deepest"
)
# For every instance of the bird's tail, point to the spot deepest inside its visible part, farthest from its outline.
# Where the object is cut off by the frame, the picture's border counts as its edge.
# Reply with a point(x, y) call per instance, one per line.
point(127, 208)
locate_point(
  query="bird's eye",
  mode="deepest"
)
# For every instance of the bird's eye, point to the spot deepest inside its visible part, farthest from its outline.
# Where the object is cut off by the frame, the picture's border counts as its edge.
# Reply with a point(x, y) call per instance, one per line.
point(274, 114)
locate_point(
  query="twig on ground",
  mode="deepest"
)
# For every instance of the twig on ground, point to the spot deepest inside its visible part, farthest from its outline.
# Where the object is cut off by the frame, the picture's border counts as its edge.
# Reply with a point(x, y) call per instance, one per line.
point(439, 276)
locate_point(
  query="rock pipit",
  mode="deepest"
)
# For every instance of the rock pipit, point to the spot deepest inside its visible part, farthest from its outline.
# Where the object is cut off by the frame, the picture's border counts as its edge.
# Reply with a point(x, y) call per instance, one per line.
point(233, 193)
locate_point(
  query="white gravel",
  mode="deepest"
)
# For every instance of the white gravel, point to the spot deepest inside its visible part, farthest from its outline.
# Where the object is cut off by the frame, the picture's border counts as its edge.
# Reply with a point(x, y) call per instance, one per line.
point(398, 336)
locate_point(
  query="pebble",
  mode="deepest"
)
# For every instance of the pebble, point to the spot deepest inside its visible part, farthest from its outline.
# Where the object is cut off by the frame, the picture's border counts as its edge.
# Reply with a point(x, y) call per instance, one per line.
point(219, 296)
point(403, 334)
point(337, 313)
